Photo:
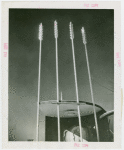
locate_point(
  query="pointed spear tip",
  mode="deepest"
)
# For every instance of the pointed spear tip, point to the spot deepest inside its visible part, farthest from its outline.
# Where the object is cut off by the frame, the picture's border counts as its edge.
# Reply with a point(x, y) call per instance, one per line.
point(40, 25)
point(83, 35)
point(82, 29)
point(71, 30)
point(40, 31)
point(55, 29)
point(55, 22)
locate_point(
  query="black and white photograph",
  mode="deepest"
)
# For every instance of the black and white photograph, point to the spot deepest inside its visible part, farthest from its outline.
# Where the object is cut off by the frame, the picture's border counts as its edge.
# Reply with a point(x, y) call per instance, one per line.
point(61, 75)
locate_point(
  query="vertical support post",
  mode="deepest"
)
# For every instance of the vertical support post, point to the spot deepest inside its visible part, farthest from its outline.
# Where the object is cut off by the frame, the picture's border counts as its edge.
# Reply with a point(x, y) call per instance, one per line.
point(91, 88)
point(57, 77)
point(38, 100)
point(75, 75)
point(61, 97)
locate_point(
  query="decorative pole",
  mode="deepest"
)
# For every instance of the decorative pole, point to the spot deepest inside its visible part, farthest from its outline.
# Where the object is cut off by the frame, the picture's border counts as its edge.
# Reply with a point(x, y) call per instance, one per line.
point(75, 75)
point(91, 88)
point(57, 76)
point(61, 96)
point(40, 38)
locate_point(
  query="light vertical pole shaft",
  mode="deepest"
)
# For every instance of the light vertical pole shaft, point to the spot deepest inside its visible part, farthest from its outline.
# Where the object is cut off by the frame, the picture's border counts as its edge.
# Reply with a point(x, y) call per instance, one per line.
point(39, 76)
point(61, 97)
point(91, 88)
point(75, 75)
point(57, 77)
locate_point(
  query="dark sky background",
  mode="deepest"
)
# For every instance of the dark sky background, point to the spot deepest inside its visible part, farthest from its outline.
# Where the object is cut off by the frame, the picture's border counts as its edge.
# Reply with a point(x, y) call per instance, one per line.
point(24, 57)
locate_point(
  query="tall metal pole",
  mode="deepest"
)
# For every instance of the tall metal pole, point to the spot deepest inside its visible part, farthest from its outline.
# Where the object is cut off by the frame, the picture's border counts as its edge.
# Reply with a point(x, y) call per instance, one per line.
point(91, 88)
point(57, 77)
point(75, 75)
point(61, 97)
point(38, 100)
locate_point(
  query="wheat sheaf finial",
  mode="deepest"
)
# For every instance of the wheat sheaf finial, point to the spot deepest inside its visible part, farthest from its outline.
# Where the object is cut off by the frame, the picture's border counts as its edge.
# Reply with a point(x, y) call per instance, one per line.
point(40, 32)
point(83, 35)
point(71, 30)
point(55, 29)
